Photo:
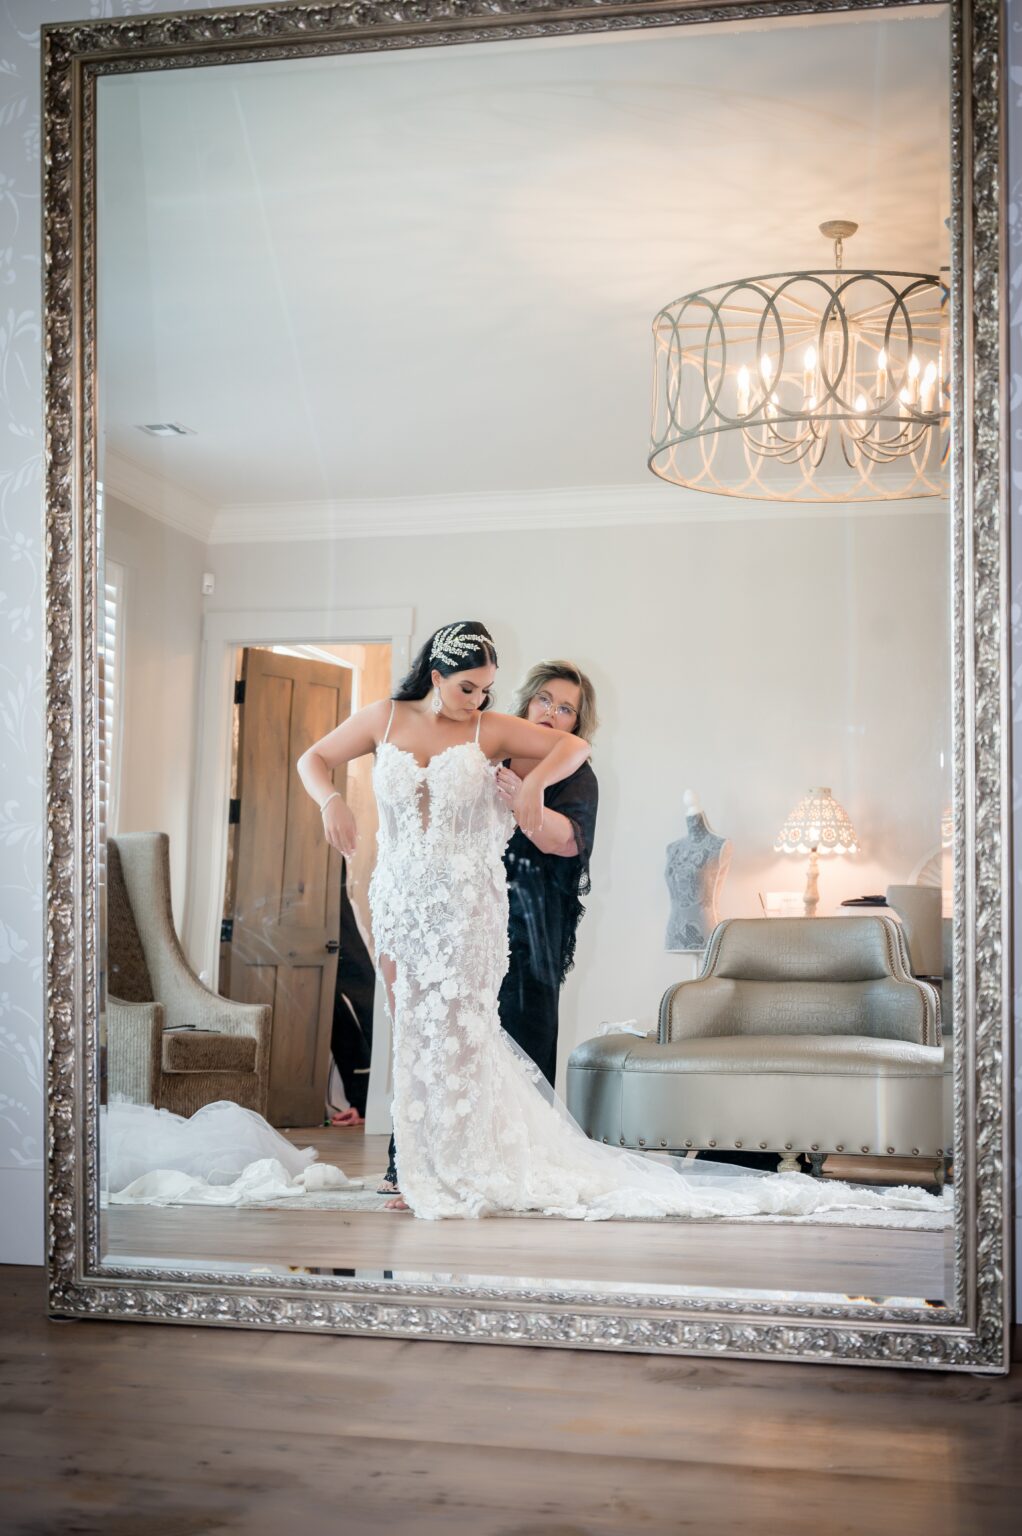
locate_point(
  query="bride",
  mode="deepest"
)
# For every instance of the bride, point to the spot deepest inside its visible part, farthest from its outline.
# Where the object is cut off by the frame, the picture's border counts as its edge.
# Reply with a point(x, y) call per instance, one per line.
point(477, 1128)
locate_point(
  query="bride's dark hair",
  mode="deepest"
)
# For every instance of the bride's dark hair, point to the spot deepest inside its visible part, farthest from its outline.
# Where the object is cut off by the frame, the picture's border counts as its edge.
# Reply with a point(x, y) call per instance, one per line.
point(451, 648)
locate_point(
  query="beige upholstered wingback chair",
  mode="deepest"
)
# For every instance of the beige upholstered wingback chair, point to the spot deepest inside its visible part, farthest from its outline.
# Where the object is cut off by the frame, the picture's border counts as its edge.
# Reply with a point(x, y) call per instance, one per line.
point(801, 1035)
point(170, 1041)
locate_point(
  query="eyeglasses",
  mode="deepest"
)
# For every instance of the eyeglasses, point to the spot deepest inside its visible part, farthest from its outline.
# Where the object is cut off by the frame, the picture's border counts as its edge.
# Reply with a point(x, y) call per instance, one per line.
point(547, 705)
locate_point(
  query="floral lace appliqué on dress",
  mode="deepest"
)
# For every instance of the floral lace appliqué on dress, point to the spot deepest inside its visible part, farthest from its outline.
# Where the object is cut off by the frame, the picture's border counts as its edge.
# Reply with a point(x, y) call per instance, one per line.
point(475, 1131)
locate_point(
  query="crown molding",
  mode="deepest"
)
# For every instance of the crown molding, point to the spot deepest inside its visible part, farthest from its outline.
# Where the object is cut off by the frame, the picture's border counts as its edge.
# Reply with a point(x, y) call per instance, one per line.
point(516, 511)
point(157, 496)
point(582, 506)
point(398, 516)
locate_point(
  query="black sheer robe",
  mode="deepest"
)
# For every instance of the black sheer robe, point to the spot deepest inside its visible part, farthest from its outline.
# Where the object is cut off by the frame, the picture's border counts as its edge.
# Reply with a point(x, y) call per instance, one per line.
point(544, 896)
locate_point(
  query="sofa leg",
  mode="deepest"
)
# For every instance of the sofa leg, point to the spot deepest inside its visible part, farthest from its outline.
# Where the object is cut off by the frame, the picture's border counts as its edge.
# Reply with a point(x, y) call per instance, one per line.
point(788, 1163)
point(816, 1164)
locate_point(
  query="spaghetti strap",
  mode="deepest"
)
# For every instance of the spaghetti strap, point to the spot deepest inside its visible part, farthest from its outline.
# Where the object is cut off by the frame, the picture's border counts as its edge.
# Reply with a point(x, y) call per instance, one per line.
point(479, 726)
point(390, 722)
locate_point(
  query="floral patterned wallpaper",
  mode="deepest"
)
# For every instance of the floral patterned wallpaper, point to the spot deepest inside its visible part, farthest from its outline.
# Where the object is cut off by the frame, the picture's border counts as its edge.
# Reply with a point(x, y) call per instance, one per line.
point(21, 575)
point(22, 1086)
point(21, 658)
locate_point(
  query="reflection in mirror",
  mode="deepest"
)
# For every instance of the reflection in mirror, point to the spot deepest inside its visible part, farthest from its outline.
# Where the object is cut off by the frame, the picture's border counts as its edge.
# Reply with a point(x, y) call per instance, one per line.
point(375, 354)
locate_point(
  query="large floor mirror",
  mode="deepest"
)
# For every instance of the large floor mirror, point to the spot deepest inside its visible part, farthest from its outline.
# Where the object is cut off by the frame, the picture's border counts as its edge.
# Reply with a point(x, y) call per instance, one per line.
point(619, 371)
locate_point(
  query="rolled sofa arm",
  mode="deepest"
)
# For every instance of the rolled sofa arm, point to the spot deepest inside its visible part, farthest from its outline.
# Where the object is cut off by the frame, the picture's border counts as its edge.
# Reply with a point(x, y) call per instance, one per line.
point(230, 1018)
point(134, 1043)
point(709, 1011)
point(663, 1026)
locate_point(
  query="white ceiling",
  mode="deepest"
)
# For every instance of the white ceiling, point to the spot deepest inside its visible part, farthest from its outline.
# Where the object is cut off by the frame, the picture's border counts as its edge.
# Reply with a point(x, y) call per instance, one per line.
point(433, 272)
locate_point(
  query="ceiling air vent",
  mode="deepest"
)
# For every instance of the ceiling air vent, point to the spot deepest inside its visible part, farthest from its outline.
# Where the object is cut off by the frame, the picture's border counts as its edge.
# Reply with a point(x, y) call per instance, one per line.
point(166, 429)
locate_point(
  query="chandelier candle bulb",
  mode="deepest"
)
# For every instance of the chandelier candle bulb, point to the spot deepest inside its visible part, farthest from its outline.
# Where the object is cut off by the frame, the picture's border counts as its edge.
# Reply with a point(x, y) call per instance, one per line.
point(913, 379)
point(809, 375)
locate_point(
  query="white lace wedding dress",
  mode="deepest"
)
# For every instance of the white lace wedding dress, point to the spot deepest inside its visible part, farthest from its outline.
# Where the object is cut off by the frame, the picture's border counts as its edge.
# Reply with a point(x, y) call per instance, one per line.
point(475, 1132)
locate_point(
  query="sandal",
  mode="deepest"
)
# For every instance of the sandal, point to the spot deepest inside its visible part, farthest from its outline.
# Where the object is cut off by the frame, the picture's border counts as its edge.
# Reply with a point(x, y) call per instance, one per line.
point(389, 1185)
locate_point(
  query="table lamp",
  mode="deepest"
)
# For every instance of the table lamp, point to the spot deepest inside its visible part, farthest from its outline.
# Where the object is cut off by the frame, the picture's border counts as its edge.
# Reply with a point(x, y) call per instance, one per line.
point(816, 825)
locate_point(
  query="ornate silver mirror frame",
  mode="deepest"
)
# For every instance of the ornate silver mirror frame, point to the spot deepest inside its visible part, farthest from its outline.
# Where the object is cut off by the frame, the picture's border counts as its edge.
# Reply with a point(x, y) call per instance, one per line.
point(969, 1333)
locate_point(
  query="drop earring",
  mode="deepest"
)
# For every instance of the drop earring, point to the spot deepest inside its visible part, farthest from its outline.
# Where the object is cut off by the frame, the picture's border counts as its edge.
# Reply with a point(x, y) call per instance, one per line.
point(438, 702)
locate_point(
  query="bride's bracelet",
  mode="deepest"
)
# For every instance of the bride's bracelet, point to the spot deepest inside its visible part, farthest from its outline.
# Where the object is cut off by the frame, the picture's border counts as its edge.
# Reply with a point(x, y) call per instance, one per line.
point(335, 796)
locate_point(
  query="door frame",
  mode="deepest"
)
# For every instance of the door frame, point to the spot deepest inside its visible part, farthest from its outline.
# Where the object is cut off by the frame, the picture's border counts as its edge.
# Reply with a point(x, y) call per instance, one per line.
point(223, 632)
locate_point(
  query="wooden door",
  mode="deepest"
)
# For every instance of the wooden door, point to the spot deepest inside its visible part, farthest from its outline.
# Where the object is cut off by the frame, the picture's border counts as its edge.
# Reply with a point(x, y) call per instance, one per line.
point(285, 928)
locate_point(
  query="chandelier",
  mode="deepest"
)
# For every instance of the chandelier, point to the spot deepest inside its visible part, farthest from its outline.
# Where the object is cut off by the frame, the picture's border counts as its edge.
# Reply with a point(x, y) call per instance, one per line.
point(828, 385)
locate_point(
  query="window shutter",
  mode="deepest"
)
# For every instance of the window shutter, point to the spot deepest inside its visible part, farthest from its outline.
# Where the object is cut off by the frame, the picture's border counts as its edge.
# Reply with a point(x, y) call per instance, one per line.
point(111, 667)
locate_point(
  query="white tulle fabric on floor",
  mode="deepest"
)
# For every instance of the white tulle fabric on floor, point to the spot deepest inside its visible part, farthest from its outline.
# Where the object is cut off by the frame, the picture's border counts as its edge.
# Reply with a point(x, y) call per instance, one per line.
point(221, 1155)
point(228, 1156)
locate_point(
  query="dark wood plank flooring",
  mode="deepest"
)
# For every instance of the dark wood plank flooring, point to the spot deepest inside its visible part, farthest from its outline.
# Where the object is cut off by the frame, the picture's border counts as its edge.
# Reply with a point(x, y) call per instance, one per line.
point(140, 1430)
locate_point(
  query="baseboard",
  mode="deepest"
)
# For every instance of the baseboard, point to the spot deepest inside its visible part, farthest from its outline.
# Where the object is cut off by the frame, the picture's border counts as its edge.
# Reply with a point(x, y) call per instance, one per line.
point(22, 1240)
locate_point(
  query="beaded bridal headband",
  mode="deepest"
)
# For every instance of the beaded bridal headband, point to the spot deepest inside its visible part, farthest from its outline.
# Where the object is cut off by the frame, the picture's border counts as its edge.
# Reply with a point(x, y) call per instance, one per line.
point(451, 646)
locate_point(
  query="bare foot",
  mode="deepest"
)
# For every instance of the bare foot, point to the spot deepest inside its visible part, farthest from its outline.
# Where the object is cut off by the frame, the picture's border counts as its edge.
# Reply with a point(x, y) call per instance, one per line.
point(347, 1117)
point(397, 1204)
point(387, 1187)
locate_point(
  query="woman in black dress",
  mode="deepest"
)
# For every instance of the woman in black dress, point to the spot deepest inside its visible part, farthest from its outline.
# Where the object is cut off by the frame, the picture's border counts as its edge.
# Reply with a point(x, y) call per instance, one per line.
point(547, 872)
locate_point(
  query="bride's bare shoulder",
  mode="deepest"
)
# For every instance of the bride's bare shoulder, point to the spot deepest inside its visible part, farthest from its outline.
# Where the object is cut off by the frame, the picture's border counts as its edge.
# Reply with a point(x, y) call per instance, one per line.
point(501, 726)
point(376, 717)
point(366, 727)
point(496, 734)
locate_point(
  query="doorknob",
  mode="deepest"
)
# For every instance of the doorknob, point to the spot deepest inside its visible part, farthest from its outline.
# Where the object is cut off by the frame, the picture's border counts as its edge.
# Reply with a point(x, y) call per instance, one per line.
point(332, 946)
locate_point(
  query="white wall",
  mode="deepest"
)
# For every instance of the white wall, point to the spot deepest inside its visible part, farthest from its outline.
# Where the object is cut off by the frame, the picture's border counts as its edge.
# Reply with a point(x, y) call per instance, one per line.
point(161, 639)
point(746, 659)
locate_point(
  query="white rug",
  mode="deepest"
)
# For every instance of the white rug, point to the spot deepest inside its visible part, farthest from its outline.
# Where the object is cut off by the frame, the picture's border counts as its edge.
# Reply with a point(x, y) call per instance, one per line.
point(344, 1200)
point(267, 1184)
point(929, 1221)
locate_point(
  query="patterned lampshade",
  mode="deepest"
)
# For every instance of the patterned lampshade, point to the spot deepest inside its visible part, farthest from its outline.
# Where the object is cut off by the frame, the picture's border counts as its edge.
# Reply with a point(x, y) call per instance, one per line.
point(817, 825)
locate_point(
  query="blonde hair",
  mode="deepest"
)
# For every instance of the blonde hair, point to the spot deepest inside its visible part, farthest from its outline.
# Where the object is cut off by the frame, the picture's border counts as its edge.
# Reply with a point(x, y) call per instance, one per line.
point(545, 672)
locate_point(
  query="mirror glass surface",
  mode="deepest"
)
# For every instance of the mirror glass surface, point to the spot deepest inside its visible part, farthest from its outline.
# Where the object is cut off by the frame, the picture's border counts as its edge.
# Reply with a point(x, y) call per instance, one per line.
point(376, 340)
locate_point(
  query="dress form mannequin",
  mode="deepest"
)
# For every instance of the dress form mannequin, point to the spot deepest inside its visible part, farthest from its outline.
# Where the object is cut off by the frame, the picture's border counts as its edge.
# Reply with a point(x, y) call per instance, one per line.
point(697, 866)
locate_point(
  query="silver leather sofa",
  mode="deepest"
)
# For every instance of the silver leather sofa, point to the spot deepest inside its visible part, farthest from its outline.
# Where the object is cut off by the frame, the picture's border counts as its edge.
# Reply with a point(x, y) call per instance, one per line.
point(800, 1035)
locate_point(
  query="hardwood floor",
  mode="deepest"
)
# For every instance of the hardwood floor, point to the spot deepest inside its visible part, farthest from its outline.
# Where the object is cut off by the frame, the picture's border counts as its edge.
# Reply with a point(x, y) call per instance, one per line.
point(127, 1429)
point(837, 1260)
